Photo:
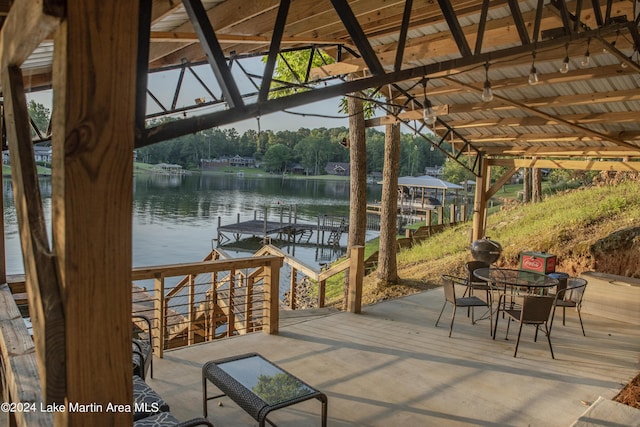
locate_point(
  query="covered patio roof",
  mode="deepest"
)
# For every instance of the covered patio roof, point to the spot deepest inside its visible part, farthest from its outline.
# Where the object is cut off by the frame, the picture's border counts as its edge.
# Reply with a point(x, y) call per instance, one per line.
point(448, 50)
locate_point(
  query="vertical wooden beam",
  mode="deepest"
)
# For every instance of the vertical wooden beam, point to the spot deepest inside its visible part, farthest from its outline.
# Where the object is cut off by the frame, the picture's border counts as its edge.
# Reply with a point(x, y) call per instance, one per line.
point(159, 315)
point(231, 316)
point(480, 202)
point(93, 139)
point(191, 311)
point(322, 290)
point(356, 276)
point(271, 308)
point(43, 290)
point(292, 288)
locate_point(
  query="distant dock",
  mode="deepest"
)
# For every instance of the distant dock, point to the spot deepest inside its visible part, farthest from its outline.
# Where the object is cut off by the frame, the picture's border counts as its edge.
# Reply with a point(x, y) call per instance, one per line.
point(287, 228)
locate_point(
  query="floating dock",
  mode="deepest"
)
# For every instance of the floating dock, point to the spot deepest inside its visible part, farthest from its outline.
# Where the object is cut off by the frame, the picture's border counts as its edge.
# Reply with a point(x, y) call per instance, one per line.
point(287, 228)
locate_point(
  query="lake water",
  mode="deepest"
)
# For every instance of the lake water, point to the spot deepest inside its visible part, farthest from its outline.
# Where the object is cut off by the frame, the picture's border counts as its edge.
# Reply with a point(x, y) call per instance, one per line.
point(175, 217)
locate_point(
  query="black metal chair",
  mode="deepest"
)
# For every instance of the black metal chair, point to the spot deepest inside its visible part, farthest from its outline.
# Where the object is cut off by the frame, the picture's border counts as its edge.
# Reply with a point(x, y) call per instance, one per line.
point(142, 346)
point(571, 296)
point(166, 419)
point(449, 283)
point(535, 310)
point(476, 284)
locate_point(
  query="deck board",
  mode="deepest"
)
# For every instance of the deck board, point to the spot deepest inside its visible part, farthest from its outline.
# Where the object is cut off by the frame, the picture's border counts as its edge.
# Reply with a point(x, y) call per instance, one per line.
point(391, 366)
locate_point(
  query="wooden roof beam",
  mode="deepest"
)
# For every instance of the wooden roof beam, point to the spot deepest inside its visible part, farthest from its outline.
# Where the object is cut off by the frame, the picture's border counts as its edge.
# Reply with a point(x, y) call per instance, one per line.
point(511, 122)
point(565, 151)
point(558, 137)
point(26, 26)
point(594, 165)
point(223, 15)
point(191, 37)
point(437, 45)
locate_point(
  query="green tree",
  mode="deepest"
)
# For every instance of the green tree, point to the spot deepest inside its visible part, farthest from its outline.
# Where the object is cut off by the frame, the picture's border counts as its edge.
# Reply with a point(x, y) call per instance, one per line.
point(291, 67)
point(40, 115)
point(455, 172)
point(277, 158)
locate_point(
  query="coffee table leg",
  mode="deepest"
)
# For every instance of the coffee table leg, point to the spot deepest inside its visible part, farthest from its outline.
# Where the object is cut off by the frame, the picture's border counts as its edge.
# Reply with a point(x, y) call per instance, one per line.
point(324, 411)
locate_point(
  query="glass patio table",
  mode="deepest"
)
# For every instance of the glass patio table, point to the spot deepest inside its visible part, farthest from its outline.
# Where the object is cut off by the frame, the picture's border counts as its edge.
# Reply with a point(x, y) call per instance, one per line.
point(257, 385)
point(517, 282)
point(527, 280)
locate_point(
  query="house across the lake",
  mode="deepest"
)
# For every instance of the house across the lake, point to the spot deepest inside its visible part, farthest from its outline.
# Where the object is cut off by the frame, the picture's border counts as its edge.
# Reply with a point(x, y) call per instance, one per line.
point(337, 168)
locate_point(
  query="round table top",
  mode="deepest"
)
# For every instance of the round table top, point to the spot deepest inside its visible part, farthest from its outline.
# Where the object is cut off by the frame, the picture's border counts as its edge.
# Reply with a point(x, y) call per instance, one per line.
point(511, 277)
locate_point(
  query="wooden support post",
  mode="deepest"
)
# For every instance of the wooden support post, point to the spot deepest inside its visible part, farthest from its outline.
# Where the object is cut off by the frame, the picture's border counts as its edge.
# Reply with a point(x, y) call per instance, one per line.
point(231, 318)
point(191, 310)
point(159, 316)
point(440, 210)
point(452, 214)
point(94, 81)
point(292, 288)
point(43, 287)
point(322, 289)
point(356, 276)
point(271, 311)
point(480, 203)
point(248, 305)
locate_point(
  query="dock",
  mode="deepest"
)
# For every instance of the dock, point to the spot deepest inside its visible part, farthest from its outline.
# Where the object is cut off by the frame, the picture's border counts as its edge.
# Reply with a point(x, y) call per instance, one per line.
point(286, 228)
point(260, 228)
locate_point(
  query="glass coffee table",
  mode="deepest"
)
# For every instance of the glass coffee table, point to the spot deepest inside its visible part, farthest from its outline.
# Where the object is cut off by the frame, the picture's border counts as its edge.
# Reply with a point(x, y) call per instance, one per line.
point(257, 385)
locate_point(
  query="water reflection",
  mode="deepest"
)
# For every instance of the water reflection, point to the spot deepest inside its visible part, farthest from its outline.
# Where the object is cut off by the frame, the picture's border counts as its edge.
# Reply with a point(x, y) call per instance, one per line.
point(175, 217)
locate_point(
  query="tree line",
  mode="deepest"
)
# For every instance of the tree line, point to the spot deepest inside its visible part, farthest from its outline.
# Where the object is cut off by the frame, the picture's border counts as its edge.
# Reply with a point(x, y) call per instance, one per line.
point(282, 150)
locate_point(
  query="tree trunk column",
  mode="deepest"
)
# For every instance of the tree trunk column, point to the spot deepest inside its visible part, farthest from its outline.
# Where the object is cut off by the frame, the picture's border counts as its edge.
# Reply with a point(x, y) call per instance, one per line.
point(358, 179)
point(387, 267)
point(480, 202)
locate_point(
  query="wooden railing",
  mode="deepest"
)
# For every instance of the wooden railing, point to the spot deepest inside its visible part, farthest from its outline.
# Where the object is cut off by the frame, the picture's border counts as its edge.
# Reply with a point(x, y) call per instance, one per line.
point(19, 374)
point(224, 297)
point(213, 298)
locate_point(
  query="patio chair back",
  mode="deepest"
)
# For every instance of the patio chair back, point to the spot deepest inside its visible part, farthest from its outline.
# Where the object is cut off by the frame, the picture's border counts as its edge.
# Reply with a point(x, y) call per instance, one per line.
point(472, 266)
point(536, 309)
point(448, 284)
point(571, 297)
point(575, 290)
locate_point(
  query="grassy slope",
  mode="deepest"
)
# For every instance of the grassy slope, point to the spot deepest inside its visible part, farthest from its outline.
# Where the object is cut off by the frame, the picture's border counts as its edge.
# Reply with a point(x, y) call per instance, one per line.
point(564, 224)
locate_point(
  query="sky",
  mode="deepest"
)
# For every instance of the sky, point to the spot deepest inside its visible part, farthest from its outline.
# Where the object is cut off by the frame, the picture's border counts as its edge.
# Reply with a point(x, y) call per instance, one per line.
point(276, 121)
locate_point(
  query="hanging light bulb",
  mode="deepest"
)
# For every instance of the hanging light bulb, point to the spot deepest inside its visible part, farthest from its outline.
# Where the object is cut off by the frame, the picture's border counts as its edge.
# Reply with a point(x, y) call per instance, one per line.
point(586, 58)
point(533, 72)
point(533, 76)
point(564, 69)
point(487, 93)
point(428, 115)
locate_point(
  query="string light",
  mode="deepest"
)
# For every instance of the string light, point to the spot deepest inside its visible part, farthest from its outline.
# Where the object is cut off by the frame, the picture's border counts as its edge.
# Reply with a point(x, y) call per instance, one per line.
point(428, 115)
point(564, 69)
point(487, 92)
point(533, 73)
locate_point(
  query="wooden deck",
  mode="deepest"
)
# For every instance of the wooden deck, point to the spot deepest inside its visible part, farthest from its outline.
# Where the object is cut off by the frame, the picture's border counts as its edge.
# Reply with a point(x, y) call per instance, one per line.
point(390, 366)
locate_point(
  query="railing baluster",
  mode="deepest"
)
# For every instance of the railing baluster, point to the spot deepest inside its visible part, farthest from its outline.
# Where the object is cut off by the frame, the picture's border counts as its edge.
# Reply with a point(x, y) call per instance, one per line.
point(191, 314)
point(159, 314)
